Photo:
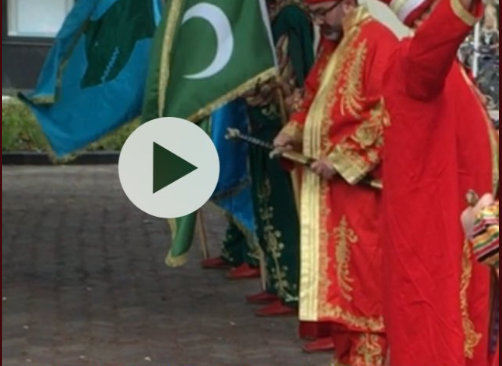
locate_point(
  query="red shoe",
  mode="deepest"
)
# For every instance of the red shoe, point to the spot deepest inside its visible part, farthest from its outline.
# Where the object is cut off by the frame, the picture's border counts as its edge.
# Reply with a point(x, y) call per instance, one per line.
point(215, 263)
point(311, 331)
point(276, 309)
point(244, 271)
point(261, 298)
point(320, 345)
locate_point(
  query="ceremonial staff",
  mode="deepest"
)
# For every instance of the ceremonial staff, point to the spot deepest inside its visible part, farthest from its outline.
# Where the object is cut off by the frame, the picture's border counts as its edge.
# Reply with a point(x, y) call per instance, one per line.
point(293, 156)
point(234, 134)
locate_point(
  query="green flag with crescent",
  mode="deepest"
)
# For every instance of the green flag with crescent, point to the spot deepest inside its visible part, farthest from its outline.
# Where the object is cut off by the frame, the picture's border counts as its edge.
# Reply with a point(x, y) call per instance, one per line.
point(205, 54)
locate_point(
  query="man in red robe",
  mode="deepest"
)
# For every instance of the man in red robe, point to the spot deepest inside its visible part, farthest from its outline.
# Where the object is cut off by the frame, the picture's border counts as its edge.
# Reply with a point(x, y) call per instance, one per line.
point(340, 124)
point(482, 227)
point(440, 144)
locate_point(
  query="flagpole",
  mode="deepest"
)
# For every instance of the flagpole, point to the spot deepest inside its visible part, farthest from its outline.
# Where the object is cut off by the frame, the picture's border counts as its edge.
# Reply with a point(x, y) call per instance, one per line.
point(477, 44)
point(263, 270)
point(203, 235)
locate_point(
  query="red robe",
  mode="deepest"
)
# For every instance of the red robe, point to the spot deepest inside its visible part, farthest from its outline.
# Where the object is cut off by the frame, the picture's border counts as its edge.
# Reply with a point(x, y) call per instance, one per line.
point(342, 118)
point(440, 144)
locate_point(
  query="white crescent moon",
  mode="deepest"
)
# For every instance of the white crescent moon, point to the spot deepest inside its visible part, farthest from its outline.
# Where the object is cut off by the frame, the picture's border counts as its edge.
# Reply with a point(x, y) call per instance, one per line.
point(225, 38)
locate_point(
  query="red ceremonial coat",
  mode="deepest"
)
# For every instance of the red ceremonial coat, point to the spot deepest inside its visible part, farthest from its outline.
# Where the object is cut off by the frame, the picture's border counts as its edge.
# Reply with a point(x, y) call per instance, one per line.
point(342, 118)
point(439, 145)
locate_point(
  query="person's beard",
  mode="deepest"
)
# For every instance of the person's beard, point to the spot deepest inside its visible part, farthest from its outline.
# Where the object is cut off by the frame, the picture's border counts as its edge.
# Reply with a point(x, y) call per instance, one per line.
point(331, 33)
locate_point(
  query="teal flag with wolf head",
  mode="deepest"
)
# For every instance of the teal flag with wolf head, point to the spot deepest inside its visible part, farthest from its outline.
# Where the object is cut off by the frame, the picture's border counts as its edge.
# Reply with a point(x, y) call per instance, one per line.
point(93, 80)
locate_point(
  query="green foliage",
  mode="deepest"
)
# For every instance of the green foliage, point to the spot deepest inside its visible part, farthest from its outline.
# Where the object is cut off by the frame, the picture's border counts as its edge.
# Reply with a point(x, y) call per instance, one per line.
point(21, 132)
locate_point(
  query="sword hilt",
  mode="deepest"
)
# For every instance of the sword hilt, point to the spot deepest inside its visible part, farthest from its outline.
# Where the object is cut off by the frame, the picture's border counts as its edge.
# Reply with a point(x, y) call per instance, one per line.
point(235, 134)
point(293, 156)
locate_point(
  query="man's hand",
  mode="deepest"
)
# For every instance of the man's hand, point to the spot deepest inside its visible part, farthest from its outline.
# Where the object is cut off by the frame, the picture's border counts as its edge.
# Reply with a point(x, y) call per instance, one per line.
point(469, 216)
point(283, 141)
point(324, 168)
point(293, 101)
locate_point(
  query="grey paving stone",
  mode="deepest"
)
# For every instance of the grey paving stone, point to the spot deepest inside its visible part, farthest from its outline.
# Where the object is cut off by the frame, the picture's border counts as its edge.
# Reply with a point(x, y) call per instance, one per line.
point(84, 270)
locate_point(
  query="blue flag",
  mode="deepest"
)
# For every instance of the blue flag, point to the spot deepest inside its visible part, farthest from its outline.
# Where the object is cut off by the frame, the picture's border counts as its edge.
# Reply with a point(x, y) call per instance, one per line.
point(94, 77)
point(233, 192)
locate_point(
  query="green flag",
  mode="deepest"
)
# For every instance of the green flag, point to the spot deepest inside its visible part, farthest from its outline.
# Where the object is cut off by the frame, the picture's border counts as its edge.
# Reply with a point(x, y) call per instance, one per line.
point(205, 54)
point(182, 229)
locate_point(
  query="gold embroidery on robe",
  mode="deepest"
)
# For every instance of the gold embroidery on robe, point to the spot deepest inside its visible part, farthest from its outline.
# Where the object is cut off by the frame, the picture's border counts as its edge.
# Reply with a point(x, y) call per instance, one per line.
point(368, 137)
point(352, 89)
point(338, 314)
point(369, 351)
point(316, 142)
point(314, 139)
point(344, 238)
point(472, 338)
point(274, 243)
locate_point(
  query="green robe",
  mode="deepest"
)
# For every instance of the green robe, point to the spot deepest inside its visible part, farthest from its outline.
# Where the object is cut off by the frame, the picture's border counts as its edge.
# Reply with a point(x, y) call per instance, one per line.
point(237, 247)
point(278, 228)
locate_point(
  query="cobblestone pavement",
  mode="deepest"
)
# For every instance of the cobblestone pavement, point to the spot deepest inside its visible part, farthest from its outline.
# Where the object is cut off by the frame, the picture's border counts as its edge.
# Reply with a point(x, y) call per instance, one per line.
point(84, 283)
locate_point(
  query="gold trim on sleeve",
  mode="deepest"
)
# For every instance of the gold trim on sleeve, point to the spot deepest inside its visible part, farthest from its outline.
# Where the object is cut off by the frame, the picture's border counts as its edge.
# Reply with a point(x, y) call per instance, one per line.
point(461, 12)
point(294, 130)
point(353, 165)
point(350, 166)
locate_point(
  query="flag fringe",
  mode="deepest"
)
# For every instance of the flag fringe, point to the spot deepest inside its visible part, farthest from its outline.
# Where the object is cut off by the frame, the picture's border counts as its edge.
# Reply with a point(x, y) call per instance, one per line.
point(233, 94)
point(178, 261)
point(172, 24)
point(251, 237)
point(42, 99)
point(230, 192)
point(172, 260)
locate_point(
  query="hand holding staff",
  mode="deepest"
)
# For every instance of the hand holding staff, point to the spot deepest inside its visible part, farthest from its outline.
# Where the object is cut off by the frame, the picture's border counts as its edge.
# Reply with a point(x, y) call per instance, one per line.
point(288, 153)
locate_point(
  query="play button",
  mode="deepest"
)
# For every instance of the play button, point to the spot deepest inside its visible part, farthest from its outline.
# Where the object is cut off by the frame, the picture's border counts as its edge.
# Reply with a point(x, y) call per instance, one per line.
point(178, 167)
point(169, 167)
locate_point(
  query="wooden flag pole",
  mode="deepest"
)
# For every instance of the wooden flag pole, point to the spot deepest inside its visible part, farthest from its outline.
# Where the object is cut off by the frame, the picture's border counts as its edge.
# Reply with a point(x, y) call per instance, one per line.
point(263, 270)
point(203, 235)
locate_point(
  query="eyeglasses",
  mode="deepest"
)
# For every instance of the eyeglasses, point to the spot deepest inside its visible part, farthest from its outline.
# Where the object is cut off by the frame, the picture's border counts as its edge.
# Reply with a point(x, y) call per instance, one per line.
point(321, 13)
